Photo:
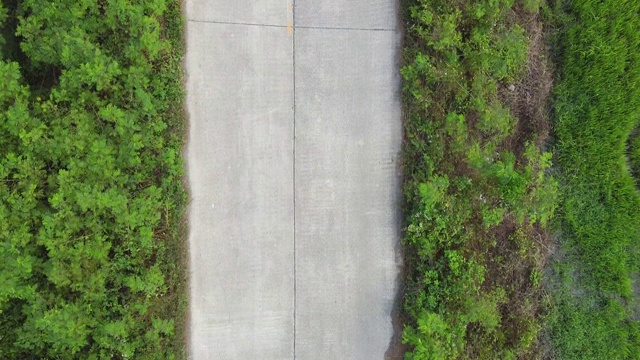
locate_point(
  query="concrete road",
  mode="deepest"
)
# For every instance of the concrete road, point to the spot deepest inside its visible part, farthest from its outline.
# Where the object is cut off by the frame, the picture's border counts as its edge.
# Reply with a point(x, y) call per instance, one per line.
point(293, 165)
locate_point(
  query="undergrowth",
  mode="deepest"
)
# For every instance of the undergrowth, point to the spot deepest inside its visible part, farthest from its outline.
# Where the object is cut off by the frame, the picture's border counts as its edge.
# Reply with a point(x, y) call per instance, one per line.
point(478, 195)
point(91, 198)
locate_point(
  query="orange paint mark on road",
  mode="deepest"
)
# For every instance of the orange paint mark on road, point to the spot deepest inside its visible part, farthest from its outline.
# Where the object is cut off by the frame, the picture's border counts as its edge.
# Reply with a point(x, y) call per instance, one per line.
point(290, 19)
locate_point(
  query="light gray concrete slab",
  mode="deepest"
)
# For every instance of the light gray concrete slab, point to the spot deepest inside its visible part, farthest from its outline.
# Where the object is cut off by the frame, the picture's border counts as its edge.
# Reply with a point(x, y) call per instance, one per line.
point(267, 12)
point(348, 137)
point(354, 14)
point(293, 244)
point(240, 168)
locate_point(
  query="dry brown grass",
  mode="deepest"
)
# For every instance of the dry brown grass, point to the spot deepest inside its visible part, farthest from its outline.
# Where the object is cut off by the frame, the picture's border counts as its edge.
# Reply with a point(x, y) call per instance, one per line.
point(513, 253)
point(528, 97)
point(521, 251)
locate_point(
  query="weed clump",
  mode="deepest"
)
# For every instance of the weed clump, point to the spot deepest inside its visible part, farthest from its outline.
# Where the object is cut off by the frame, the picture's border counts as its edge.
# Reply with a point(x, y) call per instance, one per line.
point(477, 188)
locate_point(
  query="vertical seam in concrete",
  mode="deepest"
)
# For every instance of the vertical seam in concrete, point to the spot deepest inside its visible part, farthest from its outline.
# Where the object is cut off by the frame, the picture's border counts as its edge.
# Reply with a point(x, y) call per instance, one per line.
point(295, 279)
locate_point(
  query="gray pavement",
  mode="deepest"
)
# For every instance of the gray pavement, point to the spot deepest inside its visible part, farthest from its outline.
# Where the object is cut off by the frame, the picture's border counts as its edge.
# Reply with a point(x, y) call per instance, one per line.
point(295, 133)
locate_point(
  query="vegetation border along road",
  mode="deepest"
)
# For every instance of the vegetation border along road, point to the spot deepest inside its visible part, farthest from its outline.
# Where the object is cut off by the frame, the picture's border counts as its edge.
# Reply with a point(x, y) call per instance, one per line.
point(91, 197)
point(477, 194)
point(477, 187)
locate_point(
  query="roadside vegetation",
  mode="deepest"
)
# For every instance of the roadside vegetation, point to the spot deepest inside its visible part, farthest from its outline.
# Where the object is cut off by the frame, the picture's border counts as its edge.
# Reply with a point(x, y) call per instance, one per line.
point(478, 196)
point(634, 155)
point(597, 108)
point(91, 197)
point(485, 279)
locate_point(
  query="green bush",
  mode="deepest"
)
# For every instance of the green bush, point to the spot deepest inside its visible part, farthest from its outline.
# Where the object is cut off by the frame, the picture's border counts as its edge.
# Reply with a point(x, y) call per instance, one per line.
point(467, 191)
point(90, 181)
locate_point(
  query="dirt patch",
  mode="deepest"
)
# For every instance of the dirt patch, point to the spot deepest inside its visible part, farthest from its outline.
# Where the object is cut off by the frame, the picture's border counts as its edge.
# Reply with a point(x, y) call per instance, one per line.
point(528, 97)
point(518, 260)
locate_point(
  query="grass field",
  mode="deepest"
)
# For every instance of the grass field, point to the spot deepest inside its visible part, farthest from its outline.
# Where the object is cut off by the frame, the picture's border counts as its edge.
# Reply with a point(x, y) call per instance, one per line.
point(91, 198)
point(597, 108)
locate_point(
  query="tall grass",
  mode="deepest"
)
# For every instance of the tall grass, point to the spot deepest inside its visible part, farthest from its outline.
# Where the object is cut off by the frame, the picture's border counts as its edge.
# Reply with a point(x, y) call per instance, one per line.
point(597, 105)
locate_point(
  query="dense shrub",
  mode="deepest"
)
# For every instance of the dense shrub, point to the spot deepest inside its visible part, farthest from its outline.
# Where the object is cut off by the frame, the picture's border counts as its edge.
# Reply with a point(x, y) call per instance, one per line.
point(90, 180)
point(475, 185)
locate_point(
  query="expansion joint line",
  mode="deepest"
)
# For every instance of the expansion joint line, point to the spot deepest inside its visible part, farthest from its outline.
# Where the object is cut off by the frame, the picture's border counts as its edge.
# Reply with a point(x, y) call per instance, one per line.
point(295, 278)
point(307, 27)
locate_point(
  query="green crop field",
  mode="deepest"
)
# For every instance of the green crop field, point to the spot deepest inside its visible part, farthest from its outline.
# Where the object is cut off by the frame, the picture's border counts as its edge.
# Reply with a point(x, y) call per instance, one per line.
point(597, 108)
point(91, 197)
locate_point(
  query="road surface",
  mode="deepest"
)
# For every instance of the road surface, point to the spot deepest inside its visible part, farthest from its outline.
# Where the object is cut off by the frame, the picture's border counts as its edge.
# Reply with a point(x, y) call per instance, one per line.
point(294, 142)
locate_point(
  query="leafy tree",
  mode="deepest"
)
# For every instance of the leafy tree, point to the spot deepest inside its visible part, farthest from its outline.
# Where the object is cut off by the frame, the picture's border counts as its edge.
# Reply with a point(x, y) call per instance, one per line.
point(89, 173)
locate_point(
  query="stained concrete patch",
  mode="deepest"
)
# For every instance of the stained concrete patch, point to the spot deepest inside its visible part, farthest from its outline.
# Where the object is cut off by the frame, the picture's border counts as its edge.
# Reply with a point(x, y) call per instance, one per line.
point(348, 135)
point(240, 157)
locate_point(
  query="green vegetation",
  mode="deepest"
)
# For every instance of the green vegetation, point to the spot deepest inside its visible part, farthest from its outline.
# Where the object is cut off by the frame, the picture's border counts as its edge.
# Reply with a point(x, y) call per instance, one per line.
point(597, 106)
point(634, 155)
point(477, 194)
point(90, 180)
